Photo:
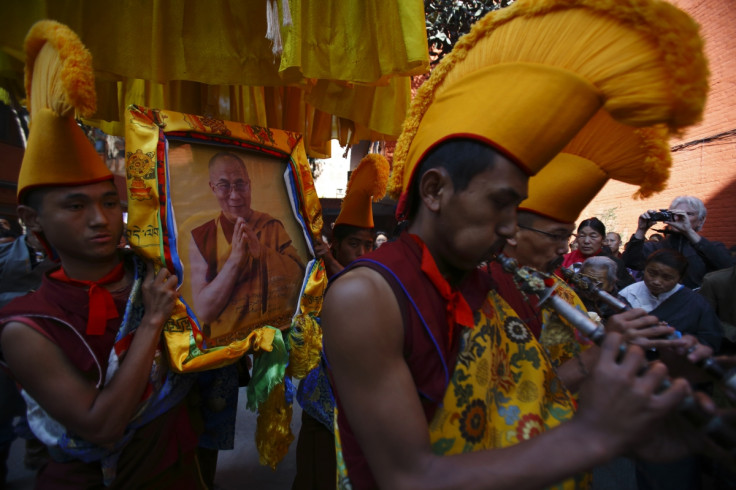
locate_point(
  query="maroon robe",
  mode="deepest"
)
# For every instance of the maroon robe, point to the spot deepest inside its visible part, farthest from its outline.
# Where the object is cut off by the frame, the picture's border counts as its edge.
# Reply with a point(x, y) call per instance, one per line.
point(428, 351)
point(161, 453)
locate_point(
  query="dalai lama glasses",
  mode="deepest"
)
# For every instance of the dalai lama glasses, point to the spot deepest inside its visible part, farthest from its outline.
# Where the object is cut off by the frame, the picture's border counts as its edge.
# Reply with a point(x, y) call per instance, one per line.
point(225, 188)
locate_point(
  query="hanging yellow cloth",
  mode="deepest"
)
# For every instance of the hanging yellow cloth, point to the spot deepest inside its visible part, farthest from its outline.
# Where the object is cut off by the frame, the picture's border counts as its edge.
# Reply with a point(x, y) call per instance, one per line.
point(344, 72)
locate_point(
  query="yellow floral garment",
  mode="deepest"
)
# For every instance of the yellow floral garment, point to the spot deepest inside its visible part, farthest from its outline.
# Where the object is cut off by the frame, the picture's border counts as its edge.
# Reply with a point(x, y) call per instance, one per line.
point(560, 339)
point(504, 389)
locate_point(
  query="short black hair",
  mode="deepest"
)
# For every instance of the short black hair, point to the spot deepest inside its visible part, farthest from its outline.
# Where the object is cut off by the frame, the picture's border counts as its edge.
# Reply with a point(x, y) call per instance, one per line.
point(341, 231)
point(594, 223)
point(462, 158)
point(669, 257)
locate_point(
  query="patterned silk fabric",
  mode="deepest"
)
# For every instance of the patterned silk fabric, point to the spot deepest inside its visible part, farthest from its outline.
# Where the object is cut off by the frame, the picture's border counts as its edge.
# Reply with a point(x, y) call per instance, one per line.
point(503, 391)
point(561, 340)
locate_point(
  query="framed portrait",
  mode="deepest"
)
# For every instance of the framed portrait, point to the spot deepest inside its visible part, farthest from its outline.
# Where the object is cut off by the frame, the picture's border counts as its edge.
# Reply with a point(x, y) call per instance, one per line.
point(232, 210)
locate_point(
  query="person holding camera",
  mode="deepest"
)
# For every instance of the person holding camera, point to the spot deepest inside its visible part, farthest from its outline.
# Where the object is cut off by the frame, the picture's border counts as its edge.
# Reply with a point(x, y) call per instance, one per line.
point(683, 220)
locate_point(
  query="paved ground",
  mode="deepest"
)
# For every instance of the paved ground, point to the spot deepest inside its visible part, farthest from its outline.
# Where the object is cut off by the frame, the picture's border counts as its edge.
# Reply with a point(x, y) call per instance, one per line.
point(236, 469)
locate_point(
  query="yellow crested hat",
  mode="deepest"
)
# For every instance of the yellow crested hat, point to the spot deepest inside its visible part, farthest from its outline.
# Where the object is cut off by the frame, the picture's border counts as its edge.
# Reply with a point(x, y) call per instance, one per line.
point(59, 83)
point(367, 184)
point(604, 149)
point(528, 77)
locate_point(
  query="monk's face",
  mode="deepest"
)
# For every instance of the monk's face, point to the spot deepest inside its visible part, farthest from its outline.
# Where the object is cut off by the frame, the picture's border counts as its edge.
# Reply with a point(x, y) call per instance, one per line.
point(472, 225)
point(353, 246)
point(82, 223)
point(230, 183)
point(542, 243)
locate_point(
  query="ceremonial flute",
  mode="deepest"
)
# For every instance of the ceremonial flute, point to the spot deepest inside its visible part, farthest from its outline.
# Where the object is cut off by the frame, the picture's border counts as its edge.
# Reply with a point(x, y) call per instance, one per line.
point(587, 286)
point(542, 285)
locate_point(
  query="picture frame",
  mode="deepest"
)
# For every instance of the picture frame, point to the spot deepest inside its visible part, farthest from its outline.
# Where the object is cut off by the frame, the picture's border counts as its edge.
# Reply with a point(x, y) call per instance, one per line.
point(182, 217)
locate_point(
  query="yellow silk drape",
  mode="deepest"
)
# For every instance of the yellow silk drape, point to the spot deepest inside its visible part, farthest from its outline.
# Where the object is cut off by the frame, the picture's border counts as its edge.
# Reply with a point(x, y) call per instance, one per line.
point(344, 71)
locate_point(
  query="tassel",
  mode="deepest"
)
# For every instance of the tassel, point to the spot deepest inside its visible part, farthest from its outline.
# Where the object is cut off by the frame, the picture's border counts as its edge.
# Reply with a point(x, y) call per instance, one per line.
point(273, 31)
point(286, 13)
point(273, 429)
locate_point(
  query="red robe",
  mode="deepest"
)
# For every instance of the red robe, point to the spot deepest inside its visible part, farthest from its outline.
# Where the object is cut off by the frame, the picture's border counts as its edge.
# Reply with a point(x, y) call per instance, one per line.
point(161, 453)
point(427, 350)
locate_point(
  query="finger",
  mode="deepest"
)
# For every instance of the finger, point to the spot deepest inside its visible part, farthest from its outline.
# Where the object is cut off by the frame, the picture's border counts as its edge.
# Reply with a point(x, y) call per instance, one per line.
point(651, 333)
point(165, 277)
point(611, 347)
point(698, 353)
point(149, 272)
point(652, 378)
point(659, 344)
point(672, 396)
point(647, 322)
point(705, 402)
point(632, 314)
point(633, 359)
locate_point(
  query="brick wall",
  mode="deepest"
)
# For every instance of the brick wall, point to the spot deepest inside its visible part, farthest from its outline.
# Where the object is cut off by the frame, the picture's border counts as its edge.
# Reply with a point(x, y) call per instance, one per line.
point(706, 170)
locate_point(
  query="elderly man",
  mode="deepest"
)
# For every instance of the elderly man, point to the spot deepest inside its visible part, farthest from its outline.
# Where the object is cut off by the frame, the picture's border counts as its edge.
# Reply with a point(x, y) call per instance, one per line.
point(243, 262)
point(702, 255)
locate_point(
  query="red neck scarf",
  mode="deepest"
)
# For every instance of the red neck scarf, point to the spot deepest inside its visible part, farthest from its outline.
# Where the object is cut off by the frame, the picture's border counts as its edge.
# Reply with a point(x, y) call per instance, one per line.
point(458, 309)
point(101, 305)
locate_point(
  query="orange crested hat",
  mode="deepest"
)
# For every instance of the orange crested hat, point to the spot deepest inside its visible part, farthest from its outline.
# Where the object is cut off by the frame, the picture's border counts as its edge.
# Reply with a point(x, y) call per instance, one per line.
point(367, 184)
point(604, 149)
point(528, 77)
point(59, 84)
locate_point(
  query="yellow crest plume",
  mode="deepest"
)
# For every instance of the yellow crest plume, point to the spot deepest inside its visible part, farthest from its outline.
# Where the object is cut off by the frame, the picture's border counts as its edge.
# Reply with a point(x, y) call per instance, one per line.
point(59, 74)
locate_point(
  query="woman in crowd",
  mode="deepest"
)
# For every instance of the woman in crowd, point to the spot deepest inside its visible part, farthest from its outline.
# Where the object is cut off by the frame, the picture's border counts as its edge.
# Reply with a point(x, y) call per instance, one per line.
point(661, 294)
point(381, 238)
point(589, 240)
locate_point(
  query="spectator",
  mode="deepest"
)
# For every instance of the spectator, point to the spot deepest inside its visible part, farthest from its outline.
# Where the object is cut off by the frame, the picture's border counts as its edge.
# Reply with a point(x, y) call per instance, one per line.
point(603, 270)
point(381, 238)
point(719, 288)
point(662, 294)
point(613, 242)
point(590, 243)
point(21, 270)
point(702, 255)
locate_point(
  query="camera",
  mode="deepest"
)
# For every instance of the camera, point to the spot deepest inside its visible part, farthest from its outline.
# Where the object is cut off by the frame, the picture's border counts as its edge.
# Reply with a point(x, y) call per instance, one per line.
point(662, 215)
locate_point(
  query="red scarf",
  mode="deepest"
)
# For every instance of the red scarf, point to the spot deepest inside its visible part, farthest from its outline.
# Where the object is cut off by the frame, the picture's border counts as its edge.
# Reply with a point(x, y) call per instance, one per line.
point(458, 309)
point(101, 305)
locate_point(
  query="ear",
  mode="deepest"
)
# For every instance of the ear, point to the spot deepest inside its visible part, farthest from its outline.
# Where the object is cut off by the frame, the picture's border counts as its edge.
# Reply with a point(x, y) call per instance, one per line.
point(29, 217)
point(434, 184)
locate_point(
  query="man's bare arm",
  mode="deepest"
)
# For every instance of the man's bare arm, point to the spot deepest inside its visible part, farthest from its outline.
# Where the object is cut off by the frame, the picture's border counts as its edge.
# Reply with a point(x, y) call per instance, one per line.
point(96, 415)
point(363, 339)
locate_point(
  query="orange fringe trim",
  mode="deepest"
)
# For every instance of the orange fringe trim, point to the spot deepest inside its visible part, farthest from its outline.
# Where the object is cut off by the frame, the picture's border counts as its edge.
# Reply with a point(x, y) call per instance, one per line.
point(679, 43)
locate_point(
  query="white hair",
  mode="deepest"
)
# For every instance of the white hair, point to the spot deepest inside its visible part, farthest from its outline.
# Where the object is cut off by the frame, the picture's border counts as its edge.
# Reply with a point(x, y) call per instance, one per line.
point(694, 203)
point(602, 262)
